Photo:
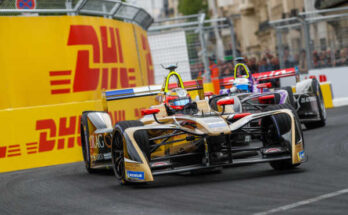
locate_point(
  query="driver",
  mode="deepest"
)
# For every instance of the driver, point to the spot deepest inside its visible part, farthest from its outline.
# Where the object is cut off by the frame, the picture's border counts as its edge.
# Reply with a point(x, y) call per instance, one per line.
point(241, 73)
point(179, 101)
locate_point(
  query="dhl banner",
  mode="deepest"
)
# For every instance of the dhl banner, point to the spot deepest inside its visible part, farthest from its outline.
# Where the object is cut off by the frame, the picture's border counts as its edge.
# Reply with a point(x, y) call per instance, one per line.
point(52, 69)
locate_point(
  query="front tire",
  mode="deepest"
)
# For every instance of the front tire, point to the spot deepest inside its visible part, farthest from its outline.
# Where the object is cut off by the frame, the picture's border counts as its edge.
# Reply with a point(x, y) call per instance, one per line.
point(84, 135)
point(272, 137)
point(118, 146)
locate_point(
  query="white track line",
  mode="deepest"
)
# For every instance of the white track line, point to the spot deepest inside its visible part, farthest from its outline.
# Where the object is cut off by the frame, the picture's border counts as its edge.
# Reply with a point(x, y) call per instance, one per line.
point(304, 202)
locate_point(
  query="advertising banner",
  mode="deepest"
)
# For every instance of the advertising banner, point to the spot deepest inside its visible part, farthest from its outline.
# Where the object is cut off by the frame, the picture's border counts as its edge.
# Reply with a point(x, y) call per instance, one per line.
point(52, 69)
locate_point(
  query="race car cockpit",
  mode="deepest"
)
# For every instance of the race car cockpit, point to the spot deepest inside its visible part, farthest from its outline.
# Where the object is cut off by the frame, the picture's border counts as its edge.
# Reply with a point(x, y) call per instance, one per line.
point(176, 100)
point(243, 81)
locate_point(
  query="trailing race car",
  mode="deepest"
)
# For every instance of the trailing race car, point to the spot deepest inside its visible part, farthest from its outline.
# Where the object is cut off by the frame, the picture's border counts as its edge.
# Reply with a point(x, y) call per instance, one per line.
point(182, 135)
point(252, 96)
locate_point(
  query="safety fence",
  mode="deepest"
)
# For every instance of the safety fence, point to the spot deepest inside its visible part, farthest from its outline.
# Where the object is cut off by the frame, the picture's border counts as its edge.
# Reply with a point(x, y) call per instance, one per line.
point(315, 39)
point(195, 43)
point(105, 8)
point(317, 42)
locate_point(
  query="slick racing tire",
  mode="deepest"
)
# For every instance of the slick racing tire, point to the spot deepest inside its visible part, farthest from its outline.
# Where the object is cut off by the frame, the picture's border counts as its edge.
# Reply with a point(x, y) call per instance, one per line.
point(85, 142)
point(321, 107)
point(117, 148)
point(272, 138)
point(290, 96)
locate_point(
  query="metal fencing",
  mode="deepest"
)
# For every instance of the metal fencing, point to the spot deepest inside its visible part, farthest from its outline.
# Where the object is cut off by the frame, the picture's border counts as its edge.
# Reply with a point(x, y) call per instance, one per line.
point(107, 8)
point(207, 44)
point(317, 39)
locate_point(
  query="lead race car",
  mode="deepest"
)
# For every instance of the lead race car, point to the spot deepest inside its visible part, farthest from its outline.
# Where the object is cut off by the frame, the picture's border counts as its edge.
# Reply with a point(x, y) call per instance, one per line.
point(181, 135)
point(251, 95)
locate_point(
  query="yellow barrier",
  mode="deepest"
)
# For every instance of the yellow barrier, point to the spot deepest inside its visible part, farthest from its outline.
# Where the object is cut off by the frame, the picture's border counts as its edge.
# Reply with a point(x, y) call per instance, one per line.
point(327, 94)
point(53, 68)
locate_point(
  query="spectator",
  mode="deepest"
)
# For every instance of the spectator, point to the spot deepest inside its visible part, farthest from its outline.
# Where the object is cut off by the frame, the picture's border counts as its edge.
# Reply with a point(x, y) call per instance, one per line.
point(226, 72)
point(230, 67)
point(288, 59)
point(315, 59)
point(342, 60)
point(322, 60)
point(262, 65)
point(328, 58)
point(252, 65)
point(303, 67)
point(275, 63)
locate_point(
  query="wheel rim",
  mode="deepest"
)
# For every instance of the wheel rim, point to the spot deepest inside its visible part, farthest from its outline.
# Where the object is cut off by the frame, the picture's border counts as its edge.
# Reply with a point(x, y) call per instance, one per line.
point(118, 157)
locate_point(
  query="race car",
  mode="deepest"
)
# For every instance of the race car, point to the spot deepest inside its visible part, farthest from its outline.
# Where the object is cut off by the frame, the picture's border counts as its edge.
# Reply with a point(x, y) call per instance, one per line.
point(180, 134)
point(251, 93)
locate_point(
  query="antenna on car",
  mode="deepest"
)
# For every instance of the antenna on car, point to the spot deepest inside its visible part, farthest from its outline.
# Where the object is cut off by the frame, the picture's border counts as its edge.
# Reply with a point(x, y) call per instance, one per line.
point(171, 67)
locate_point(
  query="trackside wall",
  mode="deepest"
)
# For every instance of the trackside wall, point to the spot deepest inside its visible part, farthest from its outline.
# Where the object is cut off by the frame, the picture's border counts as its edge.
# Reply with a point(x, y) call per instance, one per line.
point(52, 69)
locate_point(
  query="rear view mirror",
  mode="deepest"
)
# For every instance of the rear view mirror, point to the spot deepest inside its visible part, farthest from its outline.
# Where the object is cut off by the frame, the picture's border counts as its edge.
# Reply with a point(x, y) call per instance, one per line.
point(149, 111)
point(225, 102)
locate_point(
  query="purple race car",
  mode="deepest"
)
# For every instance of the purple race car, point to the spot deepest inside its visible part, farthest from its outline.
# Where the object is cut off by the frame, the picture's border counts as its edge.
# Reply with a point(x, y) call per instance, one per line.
point(251, 96)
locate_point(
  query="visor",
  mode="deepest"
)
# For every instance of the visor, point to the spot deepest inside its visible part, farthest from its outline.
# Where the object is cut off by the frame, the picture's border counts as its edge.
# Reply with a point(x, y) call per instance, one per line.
point(181, 102)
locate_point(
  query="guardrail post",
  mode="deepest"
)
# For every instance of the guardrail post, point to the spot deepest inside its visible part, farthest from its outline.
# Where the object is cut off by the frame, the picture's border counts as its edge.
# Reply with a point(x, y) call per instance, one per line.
point(233, 39)
point(204, 48)
point(306, 34)
point(68, 6)
point(78, 6)
point(114, 10)
point(280, 47)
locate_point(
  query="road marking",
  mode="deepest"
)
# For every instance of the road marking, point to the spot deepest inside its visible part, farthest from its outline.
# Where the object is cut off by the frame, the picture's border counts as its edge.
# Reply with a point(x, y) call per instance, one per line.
point(304, 202)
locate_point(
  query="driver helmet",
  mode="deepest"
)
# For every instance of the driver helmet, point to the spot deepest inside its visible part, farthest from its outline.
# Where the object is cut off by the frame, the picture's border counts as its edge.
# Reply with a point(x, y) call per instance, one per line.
point(177, 98)
point(242, 82)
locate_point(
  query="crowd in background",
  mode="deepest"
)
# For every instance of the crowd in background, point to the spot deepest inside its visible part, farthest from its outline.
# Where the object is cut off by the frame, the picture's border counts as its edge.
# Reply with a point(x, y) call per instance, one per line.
point(270, 62)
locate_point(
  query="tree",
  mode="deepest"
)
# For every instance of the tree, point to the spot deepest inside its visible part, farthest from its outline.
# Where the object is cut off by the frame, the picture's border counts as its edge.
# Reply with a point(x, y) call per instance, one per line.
point(188, 7)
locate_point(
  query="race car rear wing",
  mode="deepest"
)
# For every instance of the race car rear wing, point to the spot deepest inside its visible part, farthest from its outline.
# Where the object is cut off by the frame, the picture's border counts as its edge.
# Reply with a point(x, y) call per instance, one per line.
point(282, 73)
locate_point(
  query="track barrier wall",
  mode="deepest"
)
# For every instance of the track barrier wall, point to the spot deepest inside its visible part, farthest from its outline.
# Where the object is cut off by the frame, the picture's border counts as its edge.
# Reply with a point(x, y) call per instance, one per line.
point(52, 69)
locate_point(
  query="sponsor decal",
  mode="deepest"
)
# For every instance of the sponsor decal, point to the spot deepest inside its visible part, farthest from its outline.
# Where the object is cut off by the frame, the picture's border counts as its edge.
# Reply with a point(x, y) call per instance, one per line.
point(247, 138)
point(308, 99)
point(149, 65)
point(272, 150)
point(136, 175)
point(301, 155)
point(159, 164)
point(275, 74)
point(104, 70)
point(60, 134)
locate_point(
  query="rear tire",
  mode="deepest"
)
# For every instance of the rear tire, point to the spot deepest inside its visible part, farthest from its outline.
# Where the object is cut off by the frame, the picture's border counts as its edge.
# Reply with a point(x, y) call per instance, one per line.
point(321, 107)
point(271, 137)
point(117, 149)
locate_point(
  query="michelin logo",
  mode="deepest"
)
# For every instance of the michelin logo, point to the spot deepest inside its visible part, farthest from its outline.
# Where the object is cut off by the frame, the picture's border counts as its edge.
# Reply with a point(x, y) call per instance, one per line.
point(136, 175)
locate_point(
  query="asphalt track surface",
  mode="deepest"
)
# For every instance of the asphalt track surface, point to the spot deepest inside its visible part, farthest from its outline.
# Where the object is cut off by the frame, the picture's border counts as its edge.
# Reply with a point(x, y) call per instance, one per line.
point(68, 189)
